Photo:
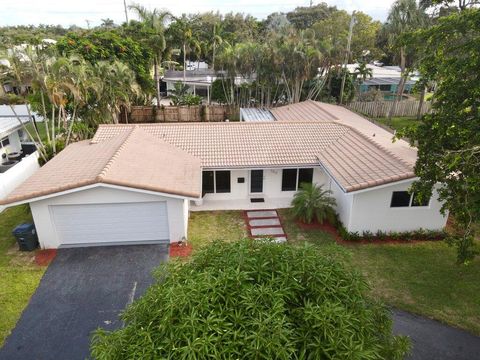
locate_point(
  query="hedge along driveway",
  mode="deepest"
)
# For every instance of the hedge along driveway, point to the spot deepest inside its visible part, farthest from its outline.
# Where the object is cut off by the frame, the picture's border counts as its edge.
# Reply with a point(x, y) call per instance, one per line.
point(19, 275)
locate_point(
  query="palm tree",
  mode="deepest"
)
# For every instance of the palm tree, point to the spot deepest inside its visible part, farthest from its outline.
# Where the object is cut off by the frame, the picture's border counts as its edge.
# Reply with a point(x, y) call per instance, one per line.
point(311, 202)
point(404, 16)
point(363, 72)
point(107, 23)
point(216, 39)
point(155, 21)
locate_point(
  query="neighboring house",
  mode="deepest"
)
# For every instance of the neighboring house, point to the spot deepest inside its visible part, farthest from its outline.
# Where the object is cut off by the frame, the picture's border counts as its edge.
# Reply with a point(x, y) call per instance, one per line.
point(18, 159)
point(384, 78)
point(137, 183)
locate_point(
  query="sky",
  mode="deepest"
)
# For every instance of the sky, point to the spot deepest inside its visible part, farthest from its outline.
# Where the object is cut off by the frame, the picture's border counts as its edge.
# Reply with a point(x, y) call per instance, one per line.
point(77, 12)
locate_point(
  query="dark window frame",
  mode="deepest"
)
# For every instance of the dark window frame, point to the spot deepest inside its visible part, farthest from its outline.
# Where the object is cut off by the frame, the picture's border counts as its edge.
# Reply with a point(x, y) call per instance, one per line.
point(289, 183)
point(302, 175)
point(212, 179)
point(5, 141)
point(402, 202)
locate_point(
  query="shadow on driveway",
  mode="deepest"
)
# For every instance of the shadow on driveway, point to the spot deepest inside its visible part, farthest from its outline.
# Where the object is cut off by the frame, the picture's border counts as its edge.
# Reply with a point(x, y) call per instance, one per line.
point(83, 289)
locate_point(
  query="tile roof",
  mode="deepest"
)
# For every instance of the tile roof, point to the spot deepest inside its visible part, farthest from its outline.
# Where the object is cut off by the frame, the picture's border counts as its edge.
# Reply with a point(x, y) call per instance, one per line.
point(117, 161)
point(303, 111)
point(341, 115)
point(350, 157)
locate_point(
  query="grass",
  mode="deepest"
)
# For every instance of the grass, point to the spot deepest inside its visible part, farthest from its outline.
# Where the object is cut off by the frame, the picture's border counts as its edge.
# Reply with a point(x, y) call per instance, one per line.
point(19, 275)
point(421, 278)
point(204, 227)
point(42, 131)
point(398, 123)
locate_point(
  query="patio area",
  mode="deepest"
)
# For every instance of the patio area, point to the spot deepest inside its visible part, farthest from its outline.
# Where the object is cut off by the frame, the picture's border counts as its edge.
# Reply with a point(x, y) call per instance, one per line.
point(243, 204)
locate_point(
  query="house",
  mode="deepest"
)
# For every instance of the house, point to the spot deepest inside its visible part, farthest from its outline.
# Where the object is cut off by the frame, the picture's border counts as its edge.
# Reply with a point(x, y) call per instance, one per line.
point(138, 183)
point(18, 157)
point(384, 78)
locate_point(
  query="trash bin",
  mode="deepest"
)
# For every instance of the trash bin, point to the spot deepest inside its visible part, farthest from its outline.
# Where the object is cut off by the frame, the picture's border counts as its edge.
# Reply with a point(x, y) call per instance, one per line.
point(26, 236)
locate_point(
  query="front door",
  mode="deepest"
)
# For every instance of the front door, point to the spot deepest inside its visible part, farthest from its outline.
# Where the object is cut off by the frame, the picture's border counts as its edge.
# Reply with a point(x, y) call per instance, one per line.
point(256, 181)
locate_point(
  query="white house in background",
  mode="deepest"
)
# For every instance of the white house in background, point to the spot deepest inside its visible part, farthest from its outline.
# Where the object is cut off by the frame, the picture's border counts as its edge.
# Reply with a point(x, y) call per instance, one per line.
point(18, 159)
point(137, 183)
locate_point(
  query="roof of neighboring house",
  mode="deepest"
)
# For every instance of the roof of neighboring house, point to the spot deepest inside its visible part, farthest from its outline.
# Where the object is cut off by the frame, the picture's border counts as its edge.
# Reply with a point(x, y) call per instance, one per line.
point(133, 159)
point(349, 156)
point(10, 124)
point(303, 111)
point(378, 71)
point(386, 81)
point(256, 114)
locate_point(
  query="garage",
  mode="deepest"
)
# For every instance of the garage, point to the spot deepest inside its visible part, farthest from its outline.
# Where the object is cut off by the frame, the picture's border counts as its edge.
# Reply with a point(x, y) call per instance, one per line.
point(111, 224)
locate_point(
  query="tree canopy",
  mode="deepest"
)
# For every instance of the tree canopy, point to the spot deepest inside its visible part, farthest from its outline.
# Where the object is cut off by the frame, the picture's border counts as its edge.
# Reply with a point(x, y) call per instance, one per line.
point(448, 138)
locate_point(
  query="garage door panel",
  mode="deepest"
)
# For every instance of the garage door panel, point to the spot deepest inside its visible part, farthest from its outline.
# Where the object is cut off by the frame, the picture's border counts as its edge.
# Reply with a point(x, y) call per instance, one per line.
point(111, 223)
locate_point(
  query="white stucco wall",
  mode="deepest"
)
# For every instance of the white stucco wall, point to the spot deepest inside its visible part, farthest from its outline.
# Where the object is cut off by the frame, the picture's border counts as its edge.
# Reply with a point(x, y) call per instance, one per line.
point(371, 211)
point(344, 202)
point(46, 230)
point(14, 145)
point(272, 185)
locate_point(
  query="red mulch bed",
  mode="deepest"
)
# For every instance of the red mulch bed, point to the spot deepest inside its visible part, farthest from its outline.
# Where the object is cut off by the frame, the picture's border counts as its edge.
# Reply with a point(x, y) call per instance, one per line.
point(329, 228)
point(45, 257)
point(180, 249)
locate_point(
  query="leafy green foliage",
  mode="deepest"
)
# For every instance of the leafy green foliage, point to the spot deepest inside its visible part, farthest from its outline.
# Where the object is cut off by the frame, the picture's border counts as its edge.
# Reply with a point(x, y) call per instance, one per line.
point(254, 300)
point(311, 202)
point(109, 45)
point(448, 138)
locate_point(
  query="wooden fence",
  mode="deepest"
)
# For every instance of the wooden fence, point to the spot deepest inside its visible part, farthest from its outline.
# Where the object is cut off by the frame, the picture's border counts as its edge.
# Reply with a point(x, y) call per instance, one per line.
point(213, 113)
point(382, 108)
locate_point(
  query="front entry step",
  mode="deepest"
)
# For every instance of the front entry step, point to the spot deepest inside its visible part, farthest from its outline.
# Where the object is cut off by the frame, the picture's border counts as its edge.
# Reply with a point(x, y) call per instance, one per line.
point(265, 224)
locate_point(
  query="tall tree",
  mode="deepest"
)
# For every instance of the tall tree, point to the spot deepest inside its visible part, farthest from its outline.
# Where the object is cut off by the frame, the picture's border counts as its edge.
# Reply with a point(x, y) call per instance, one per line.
point(404, 16)
point(448, 138)
point(154, 20)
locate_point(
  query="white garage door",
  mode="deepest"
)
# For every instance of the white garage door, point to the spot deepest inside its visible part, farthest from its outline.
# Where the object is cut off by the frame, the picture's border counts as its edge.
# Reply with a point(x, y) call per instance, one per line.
point(102, 224)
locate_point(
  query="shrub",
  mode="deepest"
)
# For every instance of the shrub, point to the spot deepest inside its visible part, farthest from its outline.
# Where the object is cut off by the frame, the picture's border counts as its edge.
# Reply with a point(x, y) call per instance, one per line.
point(254, 300)
point(311, 202)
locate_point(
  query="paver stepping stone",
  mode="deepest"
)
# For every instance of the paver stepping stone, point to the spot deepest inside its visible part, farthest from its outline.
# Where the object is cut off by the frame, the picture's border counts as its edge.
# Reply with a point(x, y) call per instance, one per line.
point(263, 222)
point(267, 231)
point(261, 214)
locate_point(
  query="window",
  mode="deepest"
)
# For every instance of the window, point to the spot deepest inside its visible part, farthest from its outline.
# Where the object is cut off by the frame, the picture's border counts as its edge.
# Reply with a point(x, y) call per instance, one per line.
point(293, 178)
point(208, 185)
point(305, 176)
point(385, 87)
point(289, 180)
point(400, 199)
point(222, 181)
point(5, 141)
point(405, 199)
point(215, 182)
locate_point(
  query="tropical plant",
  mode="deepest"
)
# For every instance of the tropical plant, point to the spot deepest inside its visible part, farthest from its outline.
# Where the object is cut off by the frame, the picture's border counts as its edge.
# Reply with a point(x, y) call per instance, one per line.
point(311, 203)
point(404, 16)
point(155, 21)
point(448, 138)
point(254, 299)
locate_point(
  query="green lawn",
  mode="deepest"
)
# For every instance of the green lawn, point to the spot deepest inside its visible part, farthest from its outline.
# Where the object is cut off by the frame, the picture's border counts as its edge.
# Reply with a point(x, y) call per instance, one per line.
point(421, 277)
point(19, 275)
point(398, 123)
point(41, 130)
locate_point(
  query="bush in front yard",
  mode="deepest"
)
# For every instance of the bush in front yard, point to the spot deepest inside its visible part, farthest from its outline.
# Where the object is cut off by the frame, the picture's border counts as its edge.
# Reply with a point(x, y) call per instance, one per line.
point(254, 300)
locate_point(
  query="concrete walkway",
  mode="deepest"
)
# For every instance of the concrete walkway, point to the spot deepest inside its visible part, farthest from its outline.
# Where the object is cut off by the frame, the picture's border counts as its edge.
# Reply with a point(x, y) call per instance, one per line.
point(432, 340)
point(265, 224)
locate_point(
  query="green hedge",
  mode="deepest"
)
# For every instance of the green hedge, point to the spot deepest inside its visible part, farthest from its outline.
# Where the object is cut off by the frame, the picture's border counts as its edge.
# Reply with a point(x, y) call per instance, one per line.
point(254, 300)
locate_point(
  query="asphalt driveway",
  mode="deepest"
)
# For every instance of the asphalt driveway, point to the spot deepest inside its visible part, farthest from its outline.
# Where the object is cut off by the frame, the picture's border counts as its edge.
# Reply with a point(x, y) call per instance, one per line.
point(83, 289)
point(432, 340)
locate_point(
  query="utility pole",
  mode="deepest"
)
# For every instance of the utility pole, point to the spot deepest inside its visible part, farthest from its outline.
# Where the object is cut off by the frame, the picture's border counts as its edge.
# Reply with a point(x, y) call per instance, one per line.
point(126, 12)
point(347, 53)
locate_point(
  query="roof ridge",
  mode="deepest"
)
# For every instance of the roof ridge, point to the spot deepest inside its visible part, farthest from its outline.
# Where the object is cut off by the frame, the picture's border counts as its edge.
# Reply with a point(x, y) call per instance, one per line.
point(101, 176)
